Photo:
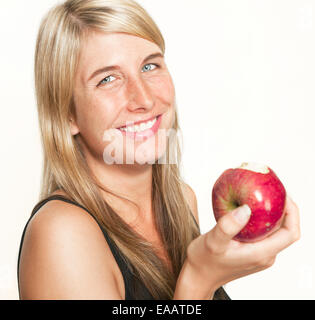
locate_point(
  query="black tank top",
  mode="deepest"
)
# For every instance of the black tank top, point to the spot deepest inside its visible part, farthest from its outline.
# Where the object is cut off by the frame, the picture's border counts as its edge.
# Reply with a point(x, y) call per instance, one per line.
point(134, 288)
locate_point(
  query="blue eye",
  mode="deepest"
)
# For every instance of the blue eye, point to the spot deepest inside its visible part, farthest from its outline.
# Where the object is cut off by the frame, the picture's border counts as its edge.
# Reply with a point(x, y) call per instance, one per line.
point(104, 81)
point(145, 68)
point(149, 64)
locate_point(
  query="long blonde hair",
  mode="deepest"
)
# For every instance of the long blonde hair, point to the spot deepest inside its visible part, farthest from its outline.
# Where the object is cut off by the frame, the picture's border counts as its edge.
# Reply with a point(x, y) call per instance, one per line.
point(56, 58)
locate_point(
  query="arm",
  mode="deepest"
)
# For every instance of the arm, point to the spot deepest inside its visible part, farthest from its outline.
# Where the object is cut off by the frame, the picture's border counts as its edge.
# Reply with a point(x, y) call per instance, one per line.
point(63, 257)
point(214, 259)
point(184, 287)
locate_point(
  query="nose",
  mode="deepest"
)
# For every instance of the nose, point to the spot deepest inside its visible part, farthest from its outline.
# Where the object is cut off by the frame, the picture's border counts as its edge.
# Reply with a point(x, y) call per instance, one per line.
point(140, 95)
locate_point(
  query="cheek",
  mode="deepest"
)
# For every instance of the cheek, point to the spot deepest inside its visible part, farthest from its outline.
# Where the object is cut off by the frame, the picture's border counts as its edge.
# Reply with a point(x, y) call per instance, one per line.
point(164, 89)
point(104, 112)
point(94, 117)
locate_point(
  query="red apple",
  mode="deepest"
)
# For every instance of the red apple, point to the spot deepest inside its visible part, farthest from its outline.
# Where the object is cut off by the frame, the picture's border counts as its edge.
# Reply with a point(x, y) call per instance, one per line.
point(258, 187)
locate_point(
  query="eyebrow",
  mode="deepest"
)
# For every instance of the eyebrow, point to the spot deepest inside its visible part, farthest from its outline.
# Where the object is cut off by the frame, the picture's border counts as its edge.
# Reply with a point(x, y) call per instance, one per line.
point(110, 68)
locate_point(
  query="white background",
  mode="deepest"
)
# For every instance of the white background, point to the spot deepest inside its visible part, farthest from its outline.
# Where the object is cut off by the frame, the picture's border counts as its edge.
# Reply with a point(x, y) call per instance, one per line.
point(244, 74)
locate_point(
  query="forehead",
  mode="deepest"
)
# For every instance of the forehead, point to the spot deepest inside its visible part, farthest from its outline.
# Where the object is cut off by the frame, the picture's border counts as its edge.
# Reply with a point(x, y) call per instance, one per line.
point(100, 49)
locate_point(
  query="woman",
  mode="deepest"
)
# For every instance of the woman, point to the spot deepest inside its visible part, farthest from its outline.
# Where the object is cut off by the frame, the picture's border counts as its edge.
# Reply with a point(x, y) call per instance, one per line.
point(126, 225)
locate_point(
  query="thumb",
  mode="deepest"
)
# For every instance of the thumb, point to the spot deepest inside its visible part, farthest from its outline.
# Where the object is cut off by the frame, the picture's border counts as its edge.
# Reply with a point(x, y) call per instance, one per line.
point(231, 224)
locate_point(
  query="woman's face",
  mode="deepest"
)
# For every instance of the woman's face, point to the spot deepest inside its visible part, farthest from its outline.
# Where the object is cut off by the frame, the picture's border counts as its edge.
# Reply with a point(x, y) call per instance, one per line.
point(122, 79)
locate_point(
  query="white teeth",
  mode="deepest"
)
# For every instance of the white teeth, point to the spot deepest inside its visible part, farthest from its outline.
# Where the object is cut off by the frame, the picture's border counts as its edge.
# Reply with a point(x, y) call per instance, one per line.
point(142, 126)
point(138, 128)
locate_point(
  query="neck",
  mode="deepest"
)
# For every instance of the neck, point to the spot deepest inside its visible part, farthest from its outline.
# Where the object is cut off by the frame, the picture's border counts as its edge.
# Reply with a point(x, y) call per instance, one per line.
point(132, 182)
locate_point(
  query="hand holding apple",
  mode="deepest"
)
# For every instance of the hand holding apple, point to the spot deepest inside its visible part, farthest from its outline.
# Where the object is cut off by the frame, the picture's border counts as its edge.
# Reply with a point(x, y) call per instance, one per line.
point(258, 187)
point(214, 258)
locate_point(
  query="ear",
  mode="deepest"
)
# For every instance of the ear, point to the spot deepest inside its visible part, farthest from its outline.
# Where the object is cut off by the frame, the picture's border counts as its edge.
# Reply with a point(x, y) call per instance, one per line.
point(73, 127)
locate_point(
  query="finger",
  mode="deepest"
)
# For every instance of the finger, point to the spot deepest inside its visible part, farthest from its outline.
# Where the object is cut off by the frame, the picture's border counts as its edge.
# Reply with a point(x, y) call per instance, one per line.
point(228, 226)
point(288, 233)
point(292, 216)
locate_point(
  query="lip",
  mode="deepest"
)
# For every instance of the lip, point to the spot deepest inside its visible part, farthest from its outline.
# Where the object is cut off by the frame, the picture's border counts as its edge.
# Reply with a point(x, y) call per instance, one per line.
point(137, 122)
point(146, 133)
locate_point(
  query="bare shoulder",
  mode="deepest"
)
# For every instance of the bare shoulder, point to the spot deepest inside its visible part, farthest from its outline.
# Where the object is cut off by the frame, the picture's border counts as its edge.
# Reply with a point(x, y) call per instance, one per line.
point(192, 200)
point(65, 256)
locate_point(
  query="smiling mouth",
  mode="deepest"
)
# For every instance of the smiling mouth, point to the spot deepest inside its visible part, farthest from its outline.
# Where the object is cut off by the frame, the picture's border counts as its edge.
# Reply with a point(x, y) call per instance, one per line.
point(140, 126)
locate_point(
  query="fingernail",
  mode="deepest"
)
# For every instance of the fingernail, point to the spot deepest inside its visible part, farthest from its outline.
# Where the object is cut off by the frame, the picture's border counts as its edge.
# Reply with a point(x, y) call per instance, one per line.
point(242, 213)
